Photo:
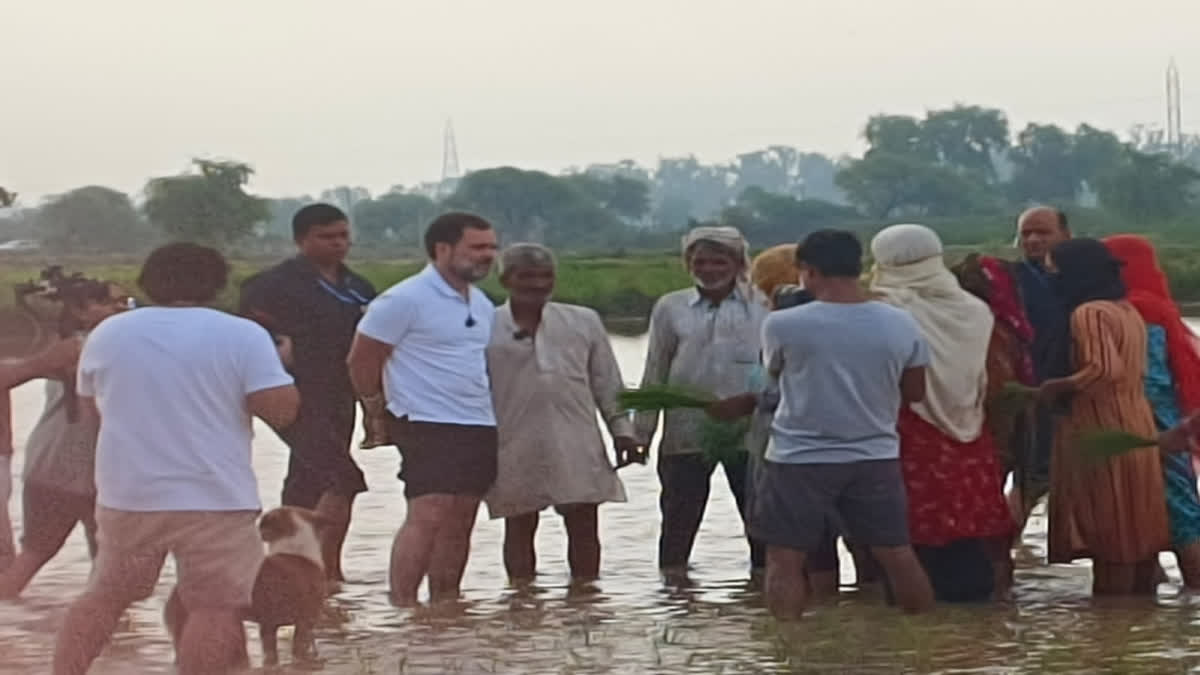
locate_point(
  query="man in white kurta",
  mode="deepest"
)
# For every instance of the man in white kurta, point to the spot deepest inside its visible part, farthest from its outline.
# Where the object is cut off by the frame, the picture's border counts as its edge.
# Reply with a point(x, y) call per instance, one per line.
point(552, 368)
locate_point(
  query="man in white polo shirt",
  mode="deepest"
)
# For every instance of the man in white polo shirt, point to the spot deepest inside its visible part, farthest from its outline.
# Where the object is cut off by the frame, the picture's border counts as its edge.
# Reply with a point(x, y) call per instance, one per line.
point(419, 360)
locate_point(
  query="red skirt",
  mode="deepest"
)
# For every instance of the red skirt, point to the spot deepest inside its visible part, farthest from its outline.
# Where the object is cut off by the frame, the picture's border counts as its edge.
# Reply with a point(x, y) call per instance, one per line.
point(954, 489)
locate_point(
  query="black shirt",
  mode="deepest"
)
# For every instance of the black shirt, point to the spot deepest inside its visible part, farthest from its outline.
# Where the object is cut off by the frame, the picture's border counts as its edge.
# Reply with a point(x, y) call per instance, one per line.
point(293, 299)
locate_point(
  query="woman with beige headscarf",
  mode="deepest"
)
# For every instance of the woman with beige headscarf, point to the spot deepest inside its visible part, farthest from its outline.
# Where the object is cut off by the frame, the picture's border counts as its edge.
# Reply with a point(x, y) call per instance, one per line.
point(958, 518)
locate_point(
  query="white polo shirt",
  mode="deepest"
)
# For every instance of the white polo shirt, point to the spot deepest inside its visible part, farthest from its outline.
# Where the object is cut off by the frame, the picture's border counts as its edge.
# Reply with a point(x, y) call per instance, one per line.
point(438, 368)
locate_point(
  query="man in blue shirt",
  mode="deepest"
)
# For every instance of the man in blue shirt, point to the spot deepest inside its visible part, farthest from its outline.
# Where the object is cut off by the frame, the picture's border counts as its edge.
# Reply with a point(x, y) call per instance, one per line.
point(845, 366)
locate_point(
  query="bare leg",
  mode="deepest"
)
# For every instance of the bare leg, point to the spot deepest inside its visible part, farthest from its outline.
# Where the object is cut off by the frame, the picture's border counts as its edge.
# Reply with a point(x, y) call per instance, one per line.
point(520, 558)
point(583, 541)
point(337, 508)
point(304, 647)
point(213, 642)
point(91, 620)
point(823, 584)
point(413, 546)
point(17, 576)
point(1189, 564)
point(269, 637)
point(1113, 578)
point(451, 549)
point(786, 586)
point(908, 579)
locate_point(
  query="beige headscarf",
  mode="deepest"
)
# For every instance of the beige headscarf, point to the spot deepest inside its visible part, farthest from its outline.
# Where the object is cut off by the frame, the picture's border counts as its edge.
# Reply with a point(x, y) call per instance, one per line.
point(910, 273)
point(726, 237)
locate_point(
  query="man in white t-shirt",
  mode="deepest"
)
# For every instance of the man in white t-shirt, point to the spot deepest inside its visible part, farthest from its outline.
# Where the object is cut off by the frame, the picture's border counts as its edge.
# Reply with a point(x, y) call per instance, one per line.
point(419, 360)
point(176, 387)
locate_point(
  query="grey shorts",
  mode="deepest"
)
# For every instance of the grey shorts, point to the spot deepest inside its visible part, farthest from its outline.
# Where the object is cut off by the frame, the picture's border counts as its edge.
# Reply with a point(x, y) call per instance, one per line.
point(797, 503)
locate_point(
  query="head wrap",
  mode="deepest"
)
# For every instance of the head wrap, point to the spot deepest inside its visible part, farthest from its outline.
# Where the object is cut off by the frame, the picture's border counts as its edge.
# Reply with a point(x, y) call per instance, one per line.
point(773, 268)
point(730, 239)
point(1150, 294)
point(909, 273)
point(1087, 271)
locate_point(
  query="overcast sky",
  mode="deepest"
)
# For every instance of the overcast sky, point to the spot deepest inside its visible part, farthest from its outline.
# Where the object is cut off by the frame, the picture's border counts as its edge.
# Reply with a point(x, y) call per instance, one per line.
point(321, 93)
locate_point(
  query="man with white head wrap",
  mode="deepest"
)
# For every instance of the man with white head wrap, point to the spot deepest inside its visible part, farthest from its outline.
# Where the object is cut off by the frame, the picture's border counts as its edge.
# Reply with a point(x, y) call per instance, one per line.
point(552, 368)
point(705, 337)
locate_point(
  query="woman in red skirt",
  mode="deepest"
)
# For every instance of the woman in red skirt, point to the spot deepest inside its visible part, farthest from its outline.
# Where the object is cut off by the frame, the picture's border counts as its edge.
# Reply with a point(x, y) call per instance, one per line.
point(958, 518)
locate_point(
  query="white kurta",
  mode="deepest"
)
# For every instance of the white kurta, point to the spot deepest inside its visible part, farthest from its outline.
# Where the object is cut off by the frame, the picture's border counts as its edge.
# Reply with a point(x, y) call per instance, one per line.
point(546, 391)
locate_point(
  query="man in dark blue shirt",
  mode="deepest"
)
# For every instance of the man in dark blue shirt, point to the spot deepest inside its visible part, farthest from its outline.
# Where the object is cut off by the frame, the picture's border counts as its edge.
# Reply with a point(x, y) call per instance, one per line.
point(316, 301)
point(1040, 229)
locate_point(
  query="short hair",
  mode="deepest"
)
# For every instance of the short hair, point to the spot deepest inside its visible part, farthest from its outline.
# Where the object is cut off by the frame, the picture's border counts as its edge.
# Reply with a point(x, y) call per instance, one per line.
point(833, 253)
point(184, 272)
point(315, 215)
point(448, 228)
point(526, 255)
point(1059, 215)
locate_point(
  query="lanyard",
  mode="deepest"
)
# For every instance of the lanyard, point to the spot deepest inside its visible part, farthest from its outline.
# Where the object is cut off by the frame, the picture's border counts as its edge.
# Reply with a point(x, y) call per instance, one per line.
point(354, 298)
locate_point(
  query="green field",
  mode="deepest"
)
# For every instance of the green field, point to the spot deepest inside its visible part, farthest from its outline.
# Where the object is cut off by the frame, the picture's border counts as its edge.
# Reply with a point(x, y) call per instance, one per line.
point(619, 287)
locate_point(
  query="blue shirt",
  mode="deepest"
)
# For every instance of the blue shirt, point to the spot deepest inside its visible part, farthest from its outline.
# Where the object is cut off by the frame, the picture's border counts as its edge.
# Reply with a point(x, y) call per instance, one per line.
point(839, 367)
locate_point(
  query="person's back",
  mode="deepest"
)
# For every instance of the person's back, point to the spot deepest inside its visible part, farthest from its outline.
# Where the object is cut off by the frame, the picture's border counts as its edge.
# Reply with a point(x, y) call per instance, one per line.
point(170, 384)
point(845, 366)
point(840, 380)
point(175, 387)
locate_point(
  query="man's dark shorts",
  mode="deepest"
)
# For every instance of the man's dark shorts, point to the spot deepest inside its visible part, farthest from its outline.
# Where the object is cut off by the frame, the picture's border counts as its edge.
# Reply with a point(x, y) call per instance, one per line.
point(49, 514)
point(447, 459)
point(320, 459)
point(797, 503)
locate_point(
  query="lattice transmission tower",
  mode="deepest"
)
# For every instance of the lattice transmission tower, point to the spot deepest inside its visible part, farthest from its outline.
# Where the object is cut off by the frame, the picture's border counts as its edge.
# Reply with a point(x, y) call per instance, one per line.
point(1174, 118)
point(450, 171)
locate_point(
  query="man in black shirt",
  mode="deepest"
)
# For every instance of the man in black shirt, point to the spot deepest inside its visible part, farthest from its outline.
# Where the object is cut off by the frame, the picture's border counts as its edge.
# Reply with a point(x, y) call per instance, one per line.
point(316, 301)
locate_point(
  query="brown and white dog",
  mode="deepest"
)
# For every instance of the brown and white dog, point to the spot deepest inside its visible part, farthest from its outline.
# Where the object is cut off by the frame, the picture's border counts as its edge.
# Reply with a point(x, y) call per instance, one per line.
point(289, 590)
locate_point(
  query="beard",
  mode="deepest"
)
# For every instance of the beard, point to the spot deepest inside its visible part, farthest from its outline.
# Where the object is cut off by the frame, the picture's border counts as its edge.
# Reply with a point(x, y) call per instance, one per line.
point(714, 285)
point(472, 272)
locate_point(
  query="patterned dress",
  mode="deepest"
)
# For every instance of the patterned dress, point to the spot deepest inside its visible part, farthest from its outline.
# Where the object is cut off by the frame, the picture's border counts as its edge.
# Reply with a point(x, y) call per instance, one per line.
point(954, 489)
point(1179, 478)
point(1112, 510)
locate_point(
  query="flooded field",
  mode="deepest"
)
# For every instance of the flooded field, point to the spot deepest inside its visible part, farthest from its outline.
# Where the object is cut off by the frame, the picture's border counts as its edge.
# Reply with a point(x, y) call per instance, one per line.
point(631, 623)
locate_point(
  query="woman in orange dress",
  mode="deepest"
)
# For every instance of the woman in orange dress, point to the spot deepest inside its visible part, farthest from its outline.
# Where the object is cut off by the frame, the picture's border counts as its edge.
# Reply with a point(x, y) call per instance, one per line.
point(1110, 510)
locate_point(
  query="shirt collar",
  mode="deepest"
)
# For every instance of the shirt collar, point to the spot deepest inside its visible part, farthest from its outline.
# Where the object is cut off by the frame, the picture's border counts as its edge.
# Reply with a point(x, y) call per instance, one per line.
point(439, 283)
point(695, 298)
point(307, 267)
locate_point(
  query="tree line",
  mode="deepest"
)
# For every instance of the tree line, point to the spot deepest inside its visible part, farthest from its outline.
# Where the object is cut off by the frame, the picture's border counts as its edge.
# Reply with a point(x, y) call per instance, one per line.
point(961, 168)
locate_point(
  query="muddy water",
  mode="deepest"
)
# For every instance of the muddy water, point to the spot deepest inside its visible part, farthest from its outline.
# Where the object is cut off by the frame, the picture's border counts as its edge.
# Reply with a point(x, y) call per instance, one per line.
point(632, 624)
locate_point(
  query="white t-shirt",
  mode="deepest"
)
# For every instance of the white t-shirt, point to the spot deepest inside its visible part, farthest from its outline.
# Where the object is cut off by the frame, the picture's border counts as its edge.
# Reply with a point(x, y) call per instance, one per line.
point(438, 368)
point(171, 386)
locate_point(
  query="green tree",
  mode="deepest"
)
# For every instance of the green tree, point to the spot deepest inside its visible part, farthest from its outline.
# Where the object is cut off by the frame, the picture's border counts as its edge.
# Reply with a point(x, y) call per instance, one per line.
point(535, 206)
point(397, 217)
point(884, 185)
point(627, 198)
point(1046, 166)
point(210, 206)
point(1149, 188)
point(898, 135)
point(766, 218)
point(966, 138)
point(705, 188)
point(91, 219)
point(7, 198)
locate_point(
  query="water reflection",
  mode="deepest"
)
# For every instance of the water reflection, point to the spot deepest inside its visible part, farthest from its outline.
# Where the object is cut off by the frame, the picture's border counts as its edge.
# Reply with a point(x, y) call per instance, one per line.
point(630, 623)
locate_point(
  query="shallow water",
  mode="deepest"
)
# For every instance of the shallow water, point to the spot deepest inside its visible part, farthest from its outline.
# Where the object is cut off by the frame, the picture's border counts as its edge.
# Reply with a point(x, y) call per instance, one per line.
point(633, 624)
